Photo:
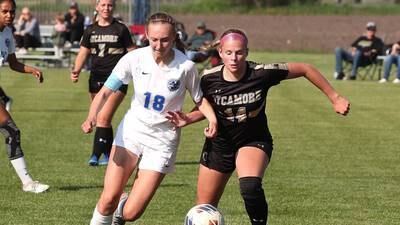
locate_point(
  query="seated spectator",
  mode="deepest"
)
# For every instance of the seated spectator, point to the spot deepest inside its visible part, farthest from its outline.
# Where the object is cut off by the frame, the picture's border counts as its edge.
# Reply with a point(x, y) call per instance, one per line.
point(75, 21)
point(58, 34)
point(392, 58)
point(364, 51)
point(199, 39)
point(27, 33)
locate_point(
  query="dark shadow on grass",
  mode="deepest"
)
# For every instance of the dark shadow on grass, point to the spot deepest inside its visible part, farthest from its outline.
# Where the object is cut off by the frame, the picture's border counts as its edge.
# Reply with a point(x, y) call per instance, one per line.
point(77, 187)
point(187, 163)
point(51, 110)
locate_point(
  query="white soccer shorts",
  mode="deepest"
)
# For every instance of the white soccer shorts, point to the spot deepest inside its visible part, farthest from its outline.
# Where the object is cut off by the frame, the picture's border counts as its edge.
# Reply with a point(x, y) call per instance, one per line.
point(155, 145)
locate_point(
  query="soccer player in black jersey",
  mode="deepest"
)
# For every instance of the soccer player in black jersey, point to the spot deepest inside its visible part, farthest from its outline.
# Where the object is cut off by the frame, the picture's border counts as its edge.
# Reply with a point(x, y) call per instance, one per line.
point(237, 91)
point(105, 41)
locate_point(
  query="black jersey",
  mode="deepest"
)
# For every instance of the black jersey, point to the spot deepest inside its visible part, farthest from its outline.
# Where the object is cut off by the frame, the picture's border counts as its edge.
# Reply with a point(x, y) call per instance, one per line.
point(240, 106)
point(107, 45)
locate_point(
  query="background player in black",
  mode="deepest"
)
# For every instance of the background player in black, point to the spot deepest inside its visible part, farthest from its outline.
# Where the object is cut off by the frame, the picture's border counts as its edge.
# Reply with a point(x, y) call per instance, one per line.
point(105, 41)
point(237, 91)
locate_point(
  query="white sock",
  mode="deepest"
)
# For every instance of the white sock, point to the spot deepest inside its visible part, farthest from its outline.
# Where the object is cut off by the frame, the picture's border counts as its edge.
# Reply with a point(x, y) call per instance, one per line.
point(22, 172)
point(98, 219)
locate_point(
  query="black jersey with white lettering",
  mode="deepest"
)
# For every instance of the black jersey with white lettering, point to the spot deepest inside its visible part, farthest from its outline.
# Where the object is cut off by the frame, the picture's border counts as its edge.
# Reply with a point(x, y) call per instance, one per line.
point(240, 105)
point(107, 45)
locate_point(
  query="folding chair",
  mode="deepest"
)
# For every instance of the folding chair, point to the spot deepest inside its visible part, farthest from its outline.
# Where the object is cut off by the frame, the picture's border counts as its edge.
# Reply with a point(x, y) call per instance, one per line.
point(366, 70)
point(212, 58)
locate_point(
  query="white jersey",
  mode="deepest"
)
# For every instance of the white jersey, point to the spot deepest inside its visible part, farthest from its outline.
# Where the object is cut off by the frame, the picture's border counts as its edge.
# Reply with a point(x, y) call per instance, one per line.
point(157, 90)
point(7, 45)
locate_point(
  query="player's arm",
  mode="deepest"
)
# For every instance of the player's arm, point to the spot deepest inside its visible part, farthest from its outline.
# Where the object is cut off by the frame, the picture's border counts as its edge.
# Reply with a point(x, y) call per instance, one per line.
point(112, 84)
point(181, 119)
point(206, 109)
point(22, 68)
point(340, 104)
point(80, 60)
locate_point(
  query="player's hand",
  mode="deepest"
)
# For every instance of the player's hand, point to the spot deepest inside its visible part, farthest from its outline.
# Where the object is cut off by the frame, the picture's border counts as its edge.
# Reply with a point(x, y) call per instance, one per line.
point(211, 130)
point(87, 126)
point(341, 105)
point(38, 74)
point(74, 76)
point(177, 118)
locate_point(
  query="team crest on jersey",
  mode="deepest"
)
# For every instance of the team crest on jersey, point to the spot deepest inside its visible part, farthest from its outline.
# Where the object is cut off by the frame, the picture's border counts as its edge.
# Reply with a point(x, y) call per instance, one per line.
point(173, 84)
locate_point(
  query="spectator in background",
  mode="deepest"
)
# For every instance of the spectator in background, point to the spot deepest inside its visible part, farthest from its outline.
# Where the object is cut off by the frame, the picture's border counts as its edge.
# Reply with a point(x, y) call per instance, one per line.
point(364, 51)
point(75, 21)
point(27, 33)
point(58, 35)
point(392, 58)
point(200, 38)
point(142, 10)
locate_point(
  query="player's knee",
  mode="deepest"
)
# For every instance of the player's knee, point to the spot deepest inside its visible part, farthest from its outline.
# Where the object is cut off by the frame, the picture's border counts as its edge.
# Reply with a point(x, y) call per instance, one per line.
point(132, 213)
point(12, 137)
point(251, 187)
point(107, 203)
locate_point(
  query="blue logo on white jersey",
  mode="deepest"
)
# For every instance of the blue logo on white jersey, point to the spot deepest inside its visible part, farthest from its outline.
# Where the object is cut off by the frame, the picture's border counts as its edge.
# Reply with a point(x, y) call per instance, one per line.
point(173, 85)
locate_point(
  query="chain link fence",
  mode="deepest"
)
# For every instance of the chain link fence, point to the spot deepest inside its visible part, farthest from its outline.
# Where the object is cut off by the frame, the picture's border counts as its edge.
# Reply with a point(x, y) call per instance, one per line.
point(46, 10)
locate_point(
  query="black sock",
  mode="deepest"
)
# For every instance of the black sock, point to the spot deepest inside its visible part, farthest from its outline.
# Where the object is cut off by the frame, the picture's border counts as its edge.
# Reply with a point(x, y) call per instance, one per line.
point(254, 199)
point(3, 95)
point(103, 139)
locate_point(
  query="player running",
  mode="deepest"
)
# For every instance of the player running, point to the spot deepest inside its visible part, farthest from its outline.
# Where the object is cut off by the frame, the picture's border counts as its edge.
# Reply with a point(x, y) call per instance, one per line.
point(237, 90)
point(105, 41)
point(161, 75)
point(7, 126)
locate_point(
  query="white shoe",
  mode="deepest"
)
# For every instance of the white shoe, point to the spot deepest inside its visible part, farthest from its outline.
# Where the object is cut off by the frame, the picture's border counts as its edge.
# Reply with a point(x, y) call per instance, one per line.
point(118, 215)
point(396, 81)
point(383, 80)
point(35, 187)
point(8, 104)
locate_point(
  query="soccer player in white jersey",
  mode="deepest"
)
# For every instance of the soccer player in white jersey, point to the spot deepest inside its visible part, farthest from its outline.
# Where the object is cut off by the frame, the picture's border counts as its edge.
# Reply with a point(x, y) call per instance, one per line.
point(7, 125)
point(161, 75)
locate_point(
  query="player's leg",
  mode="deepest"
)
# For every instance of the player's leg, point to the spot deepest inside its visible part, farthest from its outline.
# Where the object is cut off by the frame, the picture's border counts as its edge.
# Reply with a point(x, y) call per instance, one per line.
point(210, 185)
point(6, 100)
point(120, 167)
point(143, 190)
point(104, 133)
point(94, 85)
point(251, 163)
point(13, 147)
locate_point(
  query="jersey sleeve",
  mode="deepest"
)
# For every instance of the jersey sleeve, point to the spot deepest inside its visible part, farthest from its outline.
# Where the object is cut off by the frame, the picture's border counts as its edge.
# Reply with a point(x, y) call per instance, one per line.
point(126, 37)
point(11, 47)
point(274, 72)
point(85, 41)
point(193, 83)
point(123, 70)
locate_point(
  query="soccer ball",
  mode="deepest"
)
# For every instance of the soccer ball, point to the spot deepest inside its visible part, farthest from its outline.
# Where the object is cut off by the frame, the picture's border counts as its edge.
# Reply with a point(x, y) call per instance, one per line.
point(204, 214)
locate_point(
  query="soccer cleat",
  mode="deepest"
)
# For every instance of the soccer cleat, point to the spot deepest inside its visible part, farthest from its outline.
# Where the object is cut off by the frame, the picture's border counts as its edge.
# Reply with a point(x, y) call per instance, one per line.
point(396, 81)
point(383, 80)
point(35, 187)
point(118, 214)
point(8, 104)
point(93, 161)
point(104, 161)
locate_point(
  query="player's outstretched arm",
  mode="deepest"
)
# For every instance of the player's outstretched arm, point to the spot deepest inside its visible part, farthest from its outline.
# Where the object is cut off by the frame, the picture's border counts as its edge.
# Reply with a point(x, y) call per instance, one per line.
point(181, 119)
point(340, 104)
point(20, 67)
point(97, 104)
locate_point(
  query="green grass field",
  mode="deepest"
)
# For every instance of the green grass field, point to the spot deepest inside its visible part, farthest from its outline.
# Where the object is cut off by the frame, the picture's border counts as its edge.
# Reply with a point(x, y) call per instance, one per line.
point(326, 169)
